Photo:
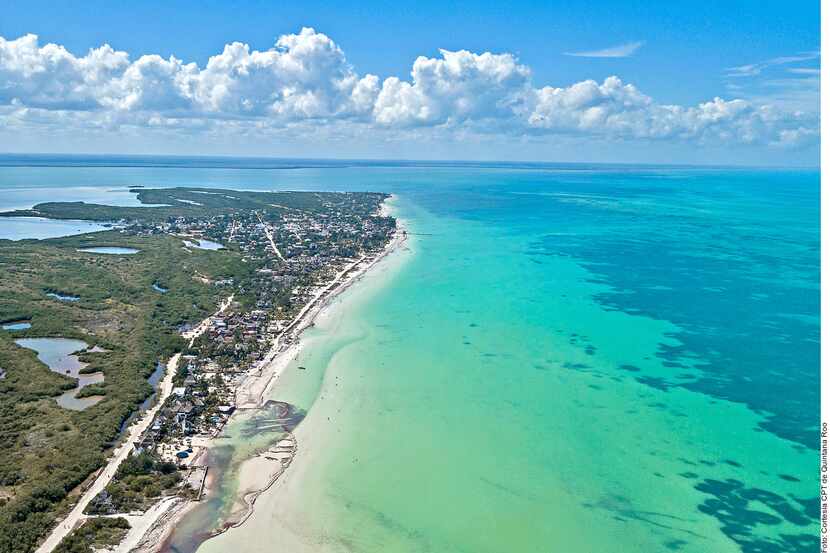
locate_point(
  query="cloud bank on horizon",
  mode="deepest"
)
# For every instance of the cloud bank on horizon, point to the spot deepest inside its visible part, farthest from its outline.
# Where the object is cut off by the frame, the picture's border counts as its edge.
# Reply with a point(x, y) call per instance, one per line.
point(305, 82)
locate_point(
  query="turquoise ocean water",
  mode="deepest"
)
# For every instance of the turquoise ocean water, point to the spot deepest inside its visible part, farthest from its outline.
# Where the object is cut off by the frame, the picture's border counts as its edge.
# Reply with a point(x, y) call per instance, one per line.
point(563, 359)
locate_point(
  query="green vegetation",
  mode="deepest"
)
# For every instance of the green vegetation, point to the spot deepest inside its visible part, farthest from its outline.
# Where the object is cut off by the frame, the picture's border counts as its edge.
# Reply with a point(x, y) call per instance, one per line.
point(140, 479)
point(205, 202)
point(91, 391)
point(94, 534)
point(49, 451)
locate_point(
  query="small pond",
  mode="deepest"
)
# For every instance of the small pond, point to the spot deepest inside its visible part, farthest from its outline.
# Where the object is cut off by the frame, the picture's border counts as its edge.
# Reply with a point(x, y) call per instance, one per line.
point(158, 288)
point(17, 325)
point(59, 354)
point(63, 297)
point(203, 244)
point(113, 250)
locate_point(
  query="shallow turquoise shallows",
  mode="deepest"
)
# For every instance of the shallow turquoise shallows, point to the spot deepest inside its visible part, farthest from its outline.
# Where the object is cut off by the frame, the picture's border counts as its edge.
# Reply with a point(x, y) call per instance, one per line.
point(562, 359)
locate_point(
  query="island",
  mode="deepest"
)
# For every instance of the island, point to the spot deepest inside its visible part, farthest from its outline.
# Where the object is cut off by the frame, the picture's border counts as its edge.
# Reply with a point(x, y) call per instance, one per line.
point(123, 351)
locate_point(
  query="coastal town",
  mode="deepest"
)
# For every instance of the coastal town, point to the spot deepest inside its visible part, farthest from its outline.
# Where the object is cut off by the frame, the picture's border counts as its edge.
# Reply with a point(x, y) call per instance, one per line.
point(300, 259)
point(296, 260)
point(297, 256)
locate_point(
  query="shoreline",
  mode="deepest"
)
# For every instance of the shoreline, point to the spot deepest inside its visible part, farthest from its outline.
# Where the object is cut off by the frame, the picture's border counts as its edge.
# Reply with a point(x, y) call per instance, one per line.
point(252, 394)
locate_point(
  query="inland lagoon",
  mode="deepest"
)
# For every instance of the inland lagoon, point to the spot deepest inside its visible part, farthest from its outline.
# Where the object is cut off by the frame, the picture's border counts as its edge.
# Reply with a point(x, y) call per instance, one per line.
point(60, 355)
point(21, 228)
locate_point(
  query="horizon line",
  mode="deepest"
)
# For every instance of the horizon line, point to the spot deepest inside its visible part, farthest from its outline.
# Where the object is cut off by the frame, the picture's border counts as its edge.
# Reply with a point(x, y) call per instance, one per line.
point(57, 155)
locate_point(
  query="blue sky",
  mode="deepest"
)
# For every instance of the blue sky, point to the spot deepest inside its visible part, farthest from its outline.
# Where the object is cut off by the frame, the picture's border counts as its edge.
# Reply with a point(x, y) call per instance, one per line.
point(679, 54)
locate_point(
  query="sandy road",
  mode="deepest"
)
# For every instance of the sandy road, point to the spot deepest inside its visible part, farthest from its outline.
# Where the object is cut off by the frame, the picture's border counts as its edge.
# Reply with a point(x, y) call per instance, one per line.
point(270, 238)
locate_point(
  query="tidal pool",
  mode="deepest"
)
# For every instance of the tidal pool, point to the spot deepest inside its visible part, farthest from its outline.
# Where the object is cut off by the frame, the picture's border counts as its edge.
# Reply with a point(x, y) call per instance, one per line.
point(60, 355)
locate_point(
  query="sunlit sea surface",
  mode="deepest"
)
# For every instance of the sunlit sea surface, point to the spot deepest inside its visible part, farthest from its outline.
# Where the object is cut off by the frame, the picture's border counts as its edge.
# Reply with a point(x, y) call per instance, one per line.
point(564, 358)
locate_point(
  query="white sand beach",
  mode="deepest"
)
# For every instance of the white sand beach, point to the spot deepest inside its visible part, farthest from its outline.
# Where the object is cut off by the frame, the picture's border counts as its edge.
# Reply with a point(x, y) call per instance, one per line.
point(263, 470)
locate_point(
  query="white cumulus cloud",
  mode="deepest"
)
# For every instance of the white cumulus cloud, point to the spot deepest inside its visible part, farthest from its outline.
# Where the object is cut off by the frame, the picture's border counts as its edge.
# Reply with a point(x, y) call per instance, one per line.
point(50, 77)
point(459, 86)
point(305, 81)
